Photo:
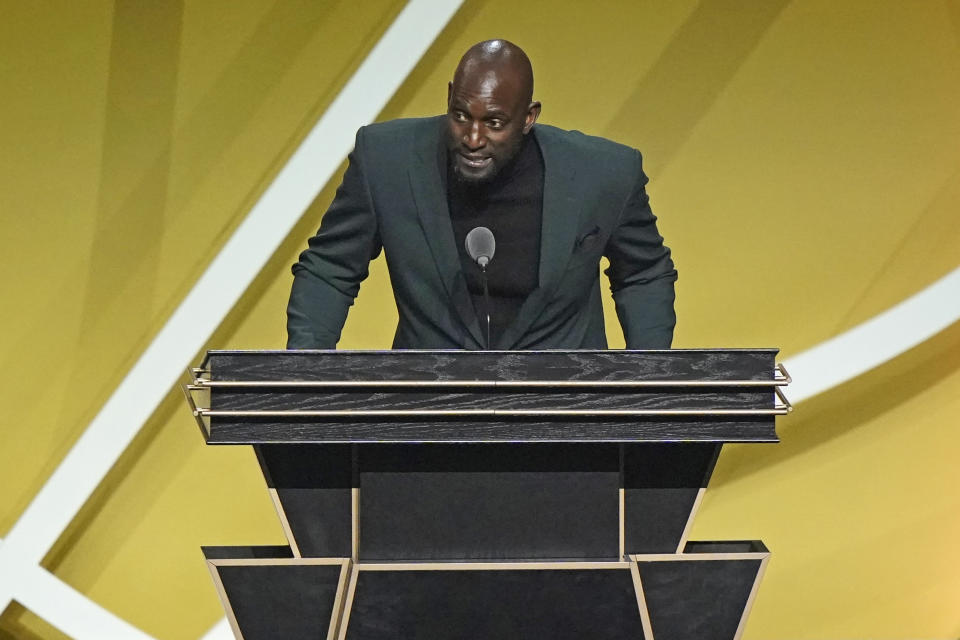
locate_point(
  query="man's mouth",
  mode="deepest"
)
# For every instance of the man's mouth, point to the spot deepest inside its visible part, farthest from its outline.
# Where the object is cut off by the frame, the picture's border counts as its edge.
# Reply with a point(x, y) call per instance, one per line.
point(476, 162)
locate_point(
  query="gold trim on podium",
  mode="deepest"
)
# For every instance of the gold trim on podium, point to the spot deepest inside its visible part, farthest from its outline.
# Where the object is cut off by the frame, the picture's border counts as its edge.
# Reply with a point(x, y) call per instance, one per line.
point(693, 513)
point(762, 556)
point(355, 523)
point(641, 602)
point(339, 603)
point(751, 597)
point(335, 613)
point(199, 383)
point(486, 384)
point(622, 516)
point(777, 410)
point(357, 567)
point(351, 592)
point(284, 522)
point(224, 600)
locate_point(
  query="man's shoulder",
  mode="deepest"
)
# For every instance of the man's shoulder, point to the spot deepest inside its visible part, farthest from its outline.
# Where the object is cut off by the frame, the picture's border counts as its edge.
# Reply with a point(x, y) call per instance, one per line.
point(578, 140)
point(605, 162)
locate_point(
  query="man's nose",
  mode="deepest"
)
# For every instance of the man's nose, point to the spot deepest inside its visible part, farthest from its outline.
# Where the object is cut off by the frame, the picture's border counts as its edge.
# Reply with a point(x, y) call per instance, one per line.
point(473, 137)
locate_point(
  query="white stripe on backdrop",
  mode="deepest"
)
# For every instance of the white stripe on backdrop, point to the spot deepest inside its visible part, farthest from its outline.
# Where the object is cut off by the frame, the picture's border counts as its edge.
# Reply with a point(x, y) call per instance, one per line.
point(221, 285)
point(190, 326)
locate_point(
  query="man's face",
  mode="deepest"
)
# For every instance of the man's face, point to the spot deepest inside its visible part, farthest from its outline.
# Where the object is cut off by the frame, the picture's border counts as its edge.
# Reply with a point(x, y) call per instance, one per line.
point(487, 116)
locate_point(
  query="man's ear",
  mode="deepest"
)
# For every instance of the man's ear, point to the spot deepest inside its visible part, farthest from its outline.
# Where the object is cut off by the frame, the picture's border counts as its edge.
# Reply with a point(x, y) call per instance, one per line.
point(533, 112)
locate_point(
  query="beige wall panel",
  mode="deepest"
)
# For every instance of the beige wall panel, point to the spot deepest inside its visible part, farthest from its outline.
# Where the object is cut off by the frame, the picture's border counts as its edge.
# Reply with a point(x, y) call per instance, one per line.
point(182, 158)
point(803, 158)
point(49, 169)
point(138, 542)
point(18, 623)
point(237, 131)
point(814, 163)
point(858, 505)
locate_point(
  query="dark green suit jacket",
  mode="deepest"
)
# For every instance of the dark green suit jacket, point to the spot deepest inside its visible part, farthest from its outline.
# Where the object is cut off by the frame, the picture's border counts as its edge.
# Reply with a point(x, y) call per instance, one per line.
point(393, 198)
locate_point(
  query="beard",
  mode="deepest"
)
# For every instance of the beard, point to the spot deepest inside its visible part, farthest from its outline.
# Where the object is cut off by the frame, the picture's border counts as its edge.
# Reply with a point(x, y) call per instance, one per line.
point(466, 176)
point(499, 161)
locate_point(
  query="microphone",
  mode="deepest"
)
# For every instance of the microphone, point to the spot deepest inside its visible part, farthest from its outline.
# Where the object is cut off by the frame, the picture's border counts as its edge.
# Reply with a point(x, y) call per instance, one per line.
point(481, 247)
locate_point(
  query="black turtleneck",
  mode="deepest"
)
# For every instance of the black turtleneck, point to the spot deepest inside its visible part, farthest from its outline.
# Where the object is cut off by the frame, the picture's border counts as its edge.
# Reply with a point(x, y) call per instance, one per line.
point(511, 206)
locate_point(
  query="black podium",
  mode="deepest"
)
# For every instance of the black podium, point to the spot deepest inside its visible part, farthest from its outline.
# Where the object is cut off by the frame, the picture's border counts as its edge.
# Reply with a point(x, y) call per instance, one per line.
point(484, 494)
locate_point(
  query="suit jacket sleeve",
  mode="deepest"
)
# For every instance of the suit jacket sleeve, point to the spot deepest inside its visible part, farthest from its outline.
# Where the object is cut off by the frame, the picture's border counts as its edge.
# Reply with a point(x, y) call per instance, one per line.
point(641, 272)
point(328, 274)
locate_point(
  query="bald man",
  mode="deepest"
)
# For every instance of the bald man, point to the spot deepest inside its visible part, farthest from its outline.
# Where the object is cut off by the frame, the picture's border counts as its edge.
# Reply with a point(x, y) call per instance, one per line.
point(556, 202)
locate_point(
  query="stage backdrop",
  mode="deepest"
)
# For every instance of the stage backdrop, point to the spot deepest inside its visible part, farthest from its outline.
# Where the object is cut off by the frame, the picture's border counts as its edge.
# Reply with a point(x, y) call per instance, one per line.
point(804, 160)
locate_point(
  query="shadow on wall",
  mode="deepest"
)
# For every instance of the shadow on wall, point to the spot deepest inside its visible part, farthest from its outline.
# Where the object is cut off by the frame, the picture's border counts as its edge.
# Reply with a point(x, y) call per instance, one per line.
point(139, 135)
point(819, 420)
point(135, 197)
point(682, 85)
point(14, 625)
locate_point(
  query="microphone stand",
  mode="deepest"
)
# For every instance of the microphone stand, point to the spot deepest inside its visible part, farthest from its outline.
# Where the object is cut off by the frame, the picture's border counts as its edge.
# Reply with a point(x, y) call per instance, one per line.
point(486, 298)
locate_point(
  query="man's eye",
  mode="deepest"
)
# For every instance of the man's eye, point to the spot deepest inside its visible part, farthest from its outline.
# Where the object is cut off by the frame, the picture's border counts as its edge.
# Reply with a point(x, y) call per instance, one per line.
point(495, 124)
point(459, 116)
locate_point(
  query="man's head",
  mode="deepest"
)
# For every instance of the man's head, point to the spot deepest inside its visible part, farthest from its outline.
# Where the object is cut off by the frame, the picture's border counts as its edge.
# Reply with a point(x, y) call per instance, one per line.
point(489, 109)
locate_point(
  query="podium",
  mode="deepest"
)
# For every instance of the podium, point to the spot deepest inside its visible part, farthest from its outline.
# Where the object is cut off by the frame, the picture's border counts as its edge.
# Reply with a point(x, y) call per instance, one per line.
point(485, 494)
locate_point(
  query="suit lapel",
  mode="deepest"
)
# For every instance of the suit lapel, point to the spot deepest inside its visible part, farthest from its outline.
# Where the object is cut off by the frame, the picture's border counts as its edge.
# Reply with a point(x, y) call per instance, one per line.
point(558, 230)
point(427, 171)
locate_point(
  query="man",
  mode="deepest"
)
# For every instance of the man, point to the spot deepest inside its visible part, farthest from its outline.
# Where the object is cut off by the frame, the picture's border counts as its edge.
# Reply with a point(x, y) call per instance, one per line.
point(556, 202)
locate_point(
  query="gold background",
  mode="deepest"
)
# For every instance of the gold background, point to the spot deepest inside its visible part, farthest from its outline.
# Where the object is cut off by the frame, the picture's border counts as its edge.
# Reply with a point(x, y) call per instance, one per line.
point(804, 162)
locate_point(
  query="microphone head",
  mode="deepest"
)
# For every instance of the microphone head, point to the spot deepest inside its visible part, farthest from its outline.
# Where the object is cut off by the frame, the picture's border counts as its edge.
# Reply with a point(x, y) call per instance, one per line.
point(480, 245)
